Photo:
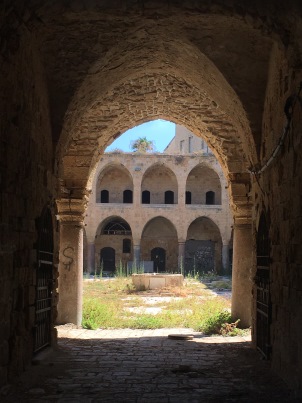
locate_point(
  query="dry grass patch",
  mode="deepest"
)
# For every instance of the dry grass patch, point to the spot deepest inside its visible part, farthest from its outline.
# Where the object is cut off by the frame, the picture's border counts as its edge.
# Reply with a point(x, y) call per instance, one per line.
point(111, 303)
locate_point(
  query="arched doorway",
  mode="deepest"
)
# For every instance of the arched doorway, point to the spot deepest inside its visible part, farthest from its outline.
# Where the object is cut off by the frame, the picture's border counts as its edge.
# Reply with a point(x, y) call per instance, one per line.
point(160, 243)
point(203, 249)
point(113, 243)
point(158, 256)
point(262, 280)
point(44, 283)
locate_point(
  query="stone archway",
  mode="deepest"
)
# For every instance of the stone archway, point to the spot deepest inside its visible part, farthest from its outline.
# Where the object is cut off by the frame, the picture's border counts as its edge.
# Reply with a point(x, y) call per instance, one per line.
point(203, 249)
point(112, 237)
point(158, 180)
point(200, 181)
point(159, 238)
point(149, 82)
point(112, 184)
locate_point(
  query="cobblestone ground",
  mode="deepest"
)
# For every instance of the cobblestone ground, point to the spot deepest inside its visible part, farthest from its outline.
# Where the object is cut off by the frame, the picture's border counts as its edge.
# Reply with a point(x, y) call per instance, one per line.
point(146, 366)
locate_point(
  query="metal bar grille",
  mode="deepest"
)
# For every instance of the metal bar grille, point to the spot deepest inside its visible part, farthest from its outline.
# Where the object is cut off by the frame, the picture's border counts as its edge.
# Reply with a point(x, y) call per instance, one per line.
point(42, 329)
point(262, 280)
point(263, 317)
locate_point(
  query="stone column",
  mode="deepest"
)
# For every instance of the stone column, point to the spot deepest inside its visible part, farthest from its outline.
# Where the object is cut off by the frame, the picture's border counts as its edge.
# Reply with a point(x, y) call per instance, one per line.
point(181, 192)
point(91, 257)
point(181, 255)
point(70, 286)
point(241, 273)
point(225, 259)
point(137, 254)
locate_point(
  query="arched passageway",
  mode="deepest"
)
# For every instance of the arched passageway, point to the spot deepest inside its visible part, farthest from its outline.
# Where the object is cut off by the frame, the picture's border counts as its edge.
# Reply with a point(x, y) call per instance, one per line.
point(203, 250)
point(114, 185)
point(203, 185)
point(159, 186)
point(159, 244)
point(113, 245)
point(77, 75)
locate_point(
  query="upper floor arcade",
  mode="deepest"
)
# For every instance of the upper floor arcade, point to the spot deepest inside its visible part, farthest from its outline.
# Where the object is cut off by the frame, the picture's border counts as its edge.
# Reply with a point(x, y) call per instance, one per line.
point(159, 180)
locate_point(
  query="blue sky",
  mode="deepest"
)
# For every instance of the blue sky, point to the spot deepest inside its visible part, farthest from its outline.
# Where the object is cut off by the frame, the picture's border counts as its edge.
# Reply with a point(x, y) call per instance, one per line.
point(160, 131)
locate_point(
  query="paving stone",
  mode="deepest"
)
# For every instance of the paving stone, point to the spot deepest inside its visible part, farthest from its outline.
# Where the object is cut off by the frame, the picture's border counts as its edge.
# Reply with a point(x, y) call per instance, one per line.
point(200, 371)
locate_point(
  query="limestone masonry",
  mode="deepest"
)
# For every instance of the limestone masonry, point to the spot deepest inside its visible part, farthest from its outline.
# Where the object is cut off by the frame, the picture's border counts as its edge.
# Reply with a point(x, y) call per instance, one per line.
point(75, 75)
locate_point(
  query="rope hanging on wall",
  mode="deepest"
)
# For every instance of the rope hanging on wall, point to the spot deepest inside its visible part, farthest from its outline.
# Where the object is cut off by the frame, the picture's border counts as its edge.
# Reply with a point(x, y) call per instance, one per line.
point(288, 110)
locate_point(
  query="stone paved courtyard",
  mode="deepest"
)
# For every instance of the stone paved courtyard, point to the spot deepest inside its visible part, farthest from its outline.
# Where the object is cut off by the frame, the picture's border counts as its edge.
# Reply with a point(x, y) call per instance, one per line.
point(145, 366)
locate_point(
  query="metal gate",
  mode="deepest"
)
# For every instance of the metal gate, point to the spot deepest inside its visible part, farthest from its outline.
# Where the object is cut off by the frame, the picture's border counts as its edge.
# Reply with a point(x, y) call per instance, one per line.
point(199, 256)
point(262, 280)
point(44, 284)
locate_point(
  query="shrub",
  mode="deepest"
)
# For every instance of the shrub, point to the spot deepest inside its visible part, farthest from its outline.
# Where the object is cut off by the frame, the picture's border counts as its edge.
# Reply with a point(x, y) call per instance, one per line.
point(213, 323)
point(97, 314)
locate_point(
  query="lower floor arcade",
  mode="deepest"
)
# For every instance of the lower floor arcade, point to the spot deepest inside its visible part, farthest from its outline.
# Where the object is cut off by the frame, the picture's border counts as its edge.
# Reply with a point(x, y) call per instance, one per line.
point(159, 249)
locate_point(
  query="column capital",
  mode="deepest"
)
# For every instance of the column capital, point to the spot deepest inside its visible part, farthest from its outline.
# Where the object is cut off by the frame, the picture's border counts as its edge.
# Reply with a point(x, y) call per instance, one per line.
point(241, 199)
point(243, 221)
point(71, 210)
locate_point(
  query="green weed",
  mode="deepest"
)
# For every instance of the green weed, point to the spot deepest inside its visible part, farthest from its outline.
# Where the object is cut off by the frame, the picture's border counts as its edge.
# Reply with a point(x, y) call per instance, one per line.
point(106, 303)
point(212, 323)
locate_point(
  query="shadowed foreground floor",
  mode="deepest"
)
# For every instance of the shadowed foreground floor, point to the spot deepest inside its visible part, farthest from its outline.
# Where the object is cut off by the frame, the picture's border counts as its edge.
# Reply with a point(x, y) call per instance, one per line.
point(146, 366)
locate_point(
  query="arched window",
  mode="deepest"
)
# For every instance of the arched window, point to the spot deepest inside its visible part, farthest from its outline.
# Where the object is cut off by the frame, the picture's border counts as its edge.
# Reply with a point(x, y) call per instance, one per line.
point(104, 196)
point(169, 197)
point(127, 196)
point(210, 197)
point(146, 197)
point(126, 245)
point(117, 228)
point(188, 197)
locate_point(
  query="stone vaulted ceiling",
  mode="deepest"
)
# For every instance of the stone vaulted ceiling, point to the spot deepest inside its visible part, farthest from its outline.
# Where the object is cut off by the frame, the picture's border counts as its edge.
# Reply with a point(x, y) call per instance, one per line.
point(113, 65)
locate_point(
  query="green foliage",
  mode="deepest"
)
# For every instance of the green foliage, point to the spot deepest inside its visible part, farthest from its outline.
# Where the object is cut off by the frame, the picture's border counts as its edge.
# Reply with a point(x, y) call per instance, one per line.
point(226, 285)
point(212, 324)
point(143, 145)
point(121, 270)
point(97, 314)
point(106, 303)
point(137, 268)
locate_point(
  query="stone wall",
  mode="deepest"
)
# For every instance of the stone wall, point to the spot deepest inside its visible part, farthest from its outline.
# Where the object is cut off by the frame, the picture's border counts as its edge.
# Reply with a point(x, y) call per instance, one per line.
point(277, 192)
point(27, 185)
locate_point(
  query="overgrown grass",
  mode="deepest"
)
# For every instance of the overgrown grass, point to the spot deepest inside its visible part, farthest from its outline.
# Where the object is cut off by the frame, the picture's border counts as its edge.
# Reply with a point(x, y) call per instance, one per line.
point(106, 302)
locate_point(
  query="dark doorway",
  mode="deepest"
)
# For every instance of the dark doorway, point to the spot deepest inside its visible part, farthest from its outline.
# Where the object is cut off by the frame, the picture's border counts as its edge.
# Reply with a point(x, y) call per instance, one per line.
point(44, 283)
point(127, 196)
point(108, 259)
point(104, 196)
point(188, 197)
point(158, 256)
point(210, 197)
point(169, 197)
point(262, 280)
point(146, 197)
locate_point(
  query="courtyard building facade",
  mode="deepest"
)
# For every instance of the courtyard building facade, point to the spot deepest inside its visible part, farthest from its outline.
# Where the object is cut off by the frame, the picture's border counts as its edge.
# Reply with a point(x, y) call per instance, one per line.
point(164, 212)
